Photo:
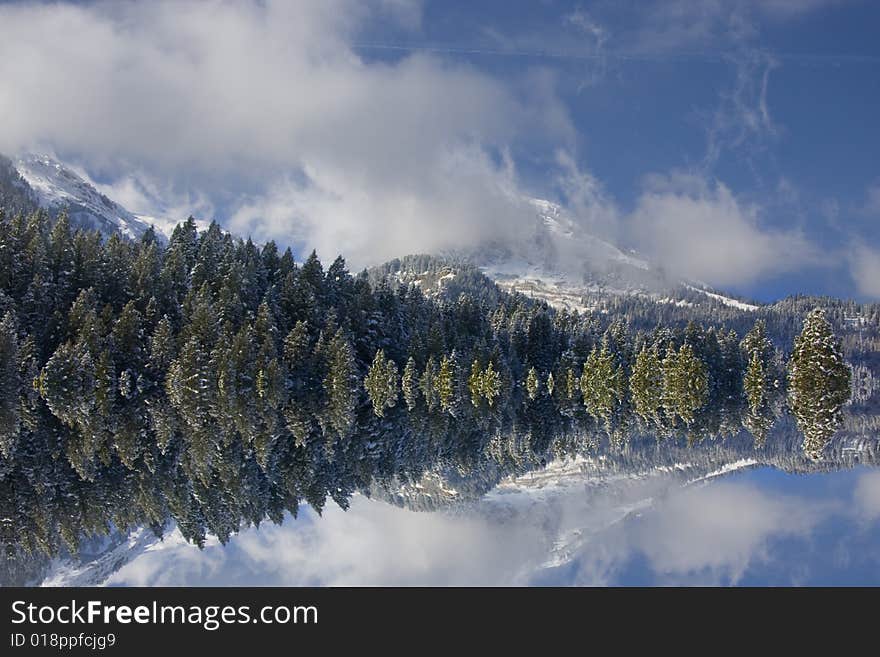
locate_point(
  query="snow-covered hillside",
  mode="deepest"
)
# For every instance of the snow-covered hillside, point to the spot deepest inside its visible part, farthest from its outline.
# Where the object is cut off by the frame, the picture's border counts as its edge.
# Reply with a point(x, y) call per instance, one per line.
point(560, 253)
point(562, 264)
point(559, 262)
point(55, 186)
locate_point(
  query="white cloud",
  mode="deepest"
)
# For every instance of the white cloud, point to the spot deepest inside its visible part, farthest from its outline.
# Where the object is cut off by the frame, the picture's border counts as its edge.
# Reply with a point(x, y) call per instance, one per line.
point(865, 270)
point(703, 534)
point(706, 26)
point(457, 196)
point(269, 108)
point(265, 113)
point(872, 200)
point(586, 198)
point(713, 534)
point(742, 118)
point(700, 230)
point(867, 496)
point(372, 543)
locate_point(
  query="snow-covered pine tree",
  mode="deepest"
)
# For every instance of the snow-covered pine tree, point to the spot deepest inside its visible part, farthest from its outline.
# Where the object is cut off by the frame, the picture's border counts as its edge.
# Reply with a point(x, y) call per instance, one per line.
point(381, 383)
point(602, 384)
point(685, 384)
point(341, 387)
point(490, 384)
point(428, 384)
point(409, 383)
point(10, 384)
point(533, 383)
point(448, 384)
point(819, 382)
point(646, 385)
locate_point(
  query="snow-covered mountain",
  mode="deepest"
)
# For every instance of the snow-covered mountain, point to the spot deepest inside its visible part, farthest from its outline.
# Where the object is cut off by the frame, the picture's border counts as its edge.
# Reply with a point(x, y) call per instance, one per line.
point(558, 262)
point(570, 269)
point(54, 186)
point(558, 248)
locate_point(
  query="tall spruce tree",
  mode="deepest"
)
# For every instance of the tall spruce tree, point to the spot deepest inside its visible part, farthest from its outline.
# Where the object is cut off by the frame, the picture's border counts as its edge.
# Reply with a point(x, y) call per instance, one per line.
point(341, 387)
point(685, 384)
point(10, 384)
point(646, 385)
point(819, 382)
point(381, 383)
point(409, 383)
point(602, 384)
point(533, 383)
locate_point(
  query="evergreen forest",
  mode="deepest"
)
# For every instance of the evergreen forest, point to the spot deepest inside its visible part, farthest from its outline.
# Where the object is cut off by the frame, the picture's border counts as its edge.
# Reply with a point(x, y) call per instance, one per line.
point(218, 383)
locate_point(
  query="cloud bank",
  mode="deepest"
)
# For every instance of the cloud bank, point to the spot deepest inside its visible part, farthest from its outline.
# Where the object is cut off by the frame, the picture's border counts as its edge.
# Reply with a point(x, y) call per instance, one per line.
point(723, 532)
point(268, 106)
point(268, 117)
point(699, 229)
point(371, 544)
point(865, 269)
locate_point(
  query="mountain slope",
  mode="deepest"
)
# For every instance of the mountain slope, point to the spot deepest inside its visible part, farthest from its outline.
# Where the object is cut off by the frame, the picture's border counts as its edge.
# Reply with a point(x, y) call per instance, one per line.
point(55, 187)
point(571, 269)
point(561, 264)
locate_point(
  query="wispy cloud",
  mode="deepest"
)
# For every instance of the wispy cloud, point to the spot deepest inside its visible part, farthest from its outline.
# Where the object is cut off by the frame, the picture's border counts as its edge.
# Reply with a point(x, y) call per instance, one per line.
point(871, 206)
point(741, 121)
point(867, 496)
point(594, 37)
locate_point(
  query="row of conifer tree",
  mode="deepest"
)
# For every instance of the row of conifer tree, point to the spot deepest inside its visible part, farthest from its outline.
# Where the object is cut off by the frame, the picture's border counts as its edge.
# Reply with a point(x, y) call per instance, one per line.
point(216, 381)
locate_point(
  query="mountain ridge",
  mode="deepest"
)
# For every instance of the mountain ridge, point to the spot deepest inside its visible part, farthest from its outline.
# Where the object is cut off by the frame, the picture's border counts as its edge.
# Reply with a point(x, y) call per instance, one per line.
point(559, 263)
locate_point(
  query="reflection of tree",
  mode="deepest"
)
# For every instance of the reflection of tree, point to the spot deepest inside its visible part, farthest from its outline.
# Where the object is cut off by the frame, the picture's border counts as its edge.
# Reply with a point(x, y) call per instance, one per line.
point(761, 383)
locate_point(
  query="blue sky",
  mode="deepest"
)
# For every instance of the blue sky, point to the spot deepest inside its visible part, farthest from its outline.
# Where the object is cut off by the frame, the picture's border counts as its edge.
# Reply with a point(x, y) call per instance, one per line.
point(650, 96)
point(746, 129)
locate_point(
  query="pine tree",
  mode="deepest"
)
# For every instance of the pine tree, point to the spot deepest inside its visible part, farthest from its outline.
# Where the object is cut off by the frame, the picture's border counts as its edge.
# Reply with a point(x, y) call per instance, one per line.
point(572, 384)
point(755, 383)
point(409, 384)
point(381, 383)
point(685, 384)
point(192, 390)
point(428, 385)
point(10, 385)
point(447, 384)
point(602, 384)
point(475, 383)
point(646, 385)
point(341, 387)
point(756, 342)
point(67, 384)
point(760, 416)
point(819, 382)
point(490, 384)
point(760, 384)
point(533, 383)
point(303, 384)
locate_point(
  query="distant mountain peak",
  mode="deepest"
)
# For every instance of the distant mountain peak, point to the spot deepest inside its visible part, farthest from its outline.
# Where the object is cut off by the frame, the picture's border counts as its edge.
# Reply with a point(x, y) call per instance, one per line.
point(55, 186)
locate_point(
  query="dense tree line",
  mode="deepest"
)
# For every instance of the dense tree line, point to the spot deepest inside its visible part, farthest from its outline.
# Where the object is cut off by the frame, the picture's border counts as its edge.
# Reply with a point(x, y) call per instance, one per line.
point(220, 383)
